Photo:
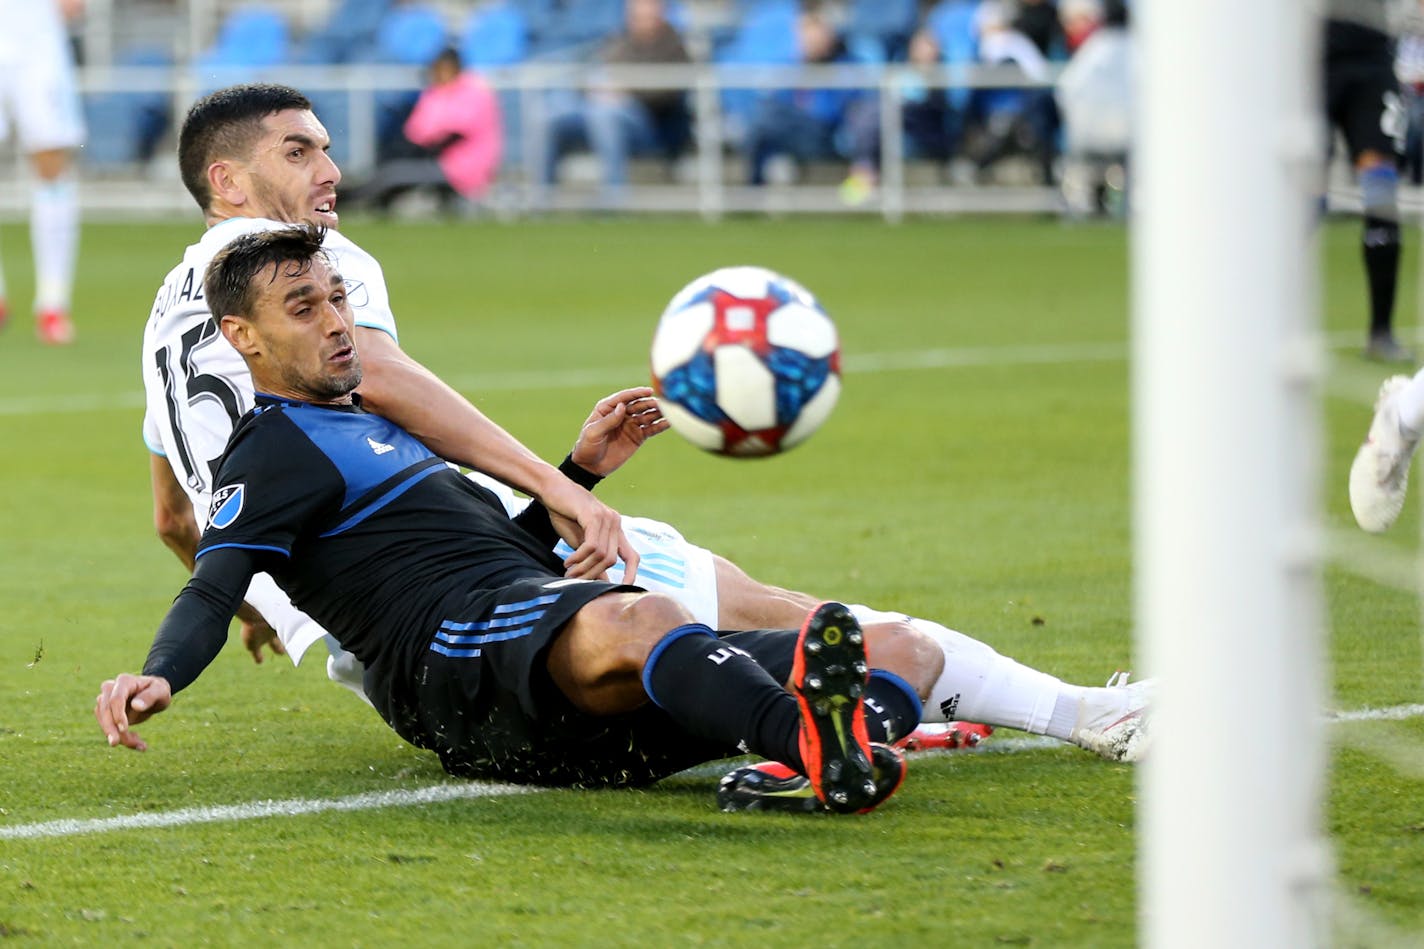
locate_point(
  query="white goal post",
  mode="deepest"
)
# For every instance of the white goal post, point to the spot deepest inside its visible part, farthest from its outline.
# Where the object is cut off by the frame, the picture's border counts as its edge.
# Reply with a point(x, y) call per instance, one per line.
point(1226, 359)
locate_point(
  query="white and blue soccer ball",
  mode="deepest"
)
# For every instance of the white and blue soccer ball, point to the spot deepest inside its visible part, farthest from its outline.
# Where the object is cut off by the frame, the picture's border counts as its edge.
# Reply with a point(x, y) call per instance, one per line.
point(745, 362)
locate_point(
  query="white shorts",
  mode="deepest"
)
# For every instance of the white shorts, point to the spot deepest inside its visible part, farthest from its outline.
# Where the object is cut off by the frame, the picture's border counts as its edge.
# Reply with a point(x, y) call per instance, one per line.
point(668, 564)
point(38, 94)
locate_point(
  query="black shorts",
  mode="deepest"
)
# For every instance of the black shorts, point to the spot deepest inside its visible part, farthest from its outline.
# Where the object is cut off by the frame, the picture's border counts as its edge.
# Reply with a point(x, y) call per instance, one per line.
point(499, 716)
point(1362, 96)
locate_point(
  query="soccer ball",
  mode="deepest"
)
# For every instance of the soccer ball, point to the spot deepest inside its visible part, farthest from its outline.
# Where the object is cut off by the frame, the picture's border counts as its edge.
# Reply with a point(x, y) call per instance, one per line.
point(745, 362)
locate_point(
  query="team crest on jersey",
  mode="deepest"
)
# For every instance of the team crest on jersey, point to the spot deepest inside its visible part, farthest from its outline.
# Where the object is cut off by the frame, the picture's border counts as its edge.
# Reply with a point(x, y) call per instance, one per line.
point(227, 505)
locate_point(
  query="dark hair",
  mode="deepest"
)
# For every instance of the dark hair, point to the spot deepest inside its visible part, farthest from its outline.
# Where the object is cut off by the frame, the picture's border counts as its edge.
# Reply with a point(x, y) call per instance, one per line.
point(227, 124)
point(449, 56)
point(228, 282)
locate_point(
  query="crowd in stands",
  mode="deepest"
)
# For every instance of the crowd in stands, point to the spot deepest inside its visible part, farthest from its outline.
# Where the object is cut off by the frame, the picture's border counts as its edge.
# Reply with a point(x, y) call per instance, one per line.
point(467, 134)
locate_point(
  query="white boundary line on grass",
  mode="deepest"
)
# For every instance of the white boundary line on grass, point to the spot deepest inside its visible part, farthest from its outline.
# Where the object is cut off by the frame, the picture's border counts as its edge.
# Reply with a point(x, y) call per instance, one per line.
point(906, 360)
point(255, 809)
point(467, 790)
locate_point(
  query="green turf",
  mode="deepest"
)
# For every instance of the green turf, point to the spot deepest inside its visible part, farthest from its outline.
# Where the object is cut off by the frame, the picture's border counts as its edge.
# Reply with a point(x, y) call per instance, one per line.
point(993, 496)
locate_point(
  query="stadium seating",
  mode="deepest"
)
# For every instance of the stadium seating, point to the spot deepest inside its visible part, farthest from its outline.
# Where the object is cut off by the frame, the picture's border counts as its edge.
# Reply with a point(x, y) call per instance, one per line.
point(496, 35)
point(348, 35)
point(250, 37)
point(879, 30)
point(126, 127)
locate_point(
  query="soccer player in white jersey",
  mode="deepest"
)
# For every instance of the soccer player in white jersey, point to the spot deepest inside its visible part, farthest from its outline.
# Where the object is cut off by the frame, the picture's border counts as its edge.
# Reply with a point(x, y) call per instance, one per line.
point(254, 155)
point(39, 99)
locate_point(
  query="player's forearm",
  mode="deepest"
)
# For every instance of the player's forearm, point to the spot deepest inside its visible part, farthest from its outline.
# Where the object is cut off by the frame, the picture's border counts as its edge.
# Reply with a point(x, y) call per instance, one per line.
point(182, 539)
point(405, 392)
point(193, 632)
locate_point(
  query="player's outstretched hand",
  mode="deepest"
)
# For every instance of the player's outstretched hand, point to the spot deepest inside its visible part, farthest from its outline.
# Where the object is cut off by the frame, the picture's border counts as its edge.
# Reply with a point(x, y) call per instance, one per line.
point(593, 529)
point(128, 700)
point(616, 428)
point(256, 634)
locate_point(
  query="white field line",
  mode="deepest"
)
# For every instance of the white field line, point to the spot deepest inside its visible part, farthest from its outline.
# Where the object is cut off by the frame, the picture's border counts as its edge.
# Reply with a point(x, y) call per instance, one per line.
point(467, 790)
point(906, 360)
point(255, 809)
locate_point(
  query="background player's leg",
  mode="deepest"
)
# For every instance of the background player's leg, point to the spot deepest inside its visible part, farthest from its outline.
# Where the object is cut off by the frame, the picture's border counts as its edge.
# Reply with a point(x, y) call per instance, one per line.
point(54, 235)
point(1380, 240)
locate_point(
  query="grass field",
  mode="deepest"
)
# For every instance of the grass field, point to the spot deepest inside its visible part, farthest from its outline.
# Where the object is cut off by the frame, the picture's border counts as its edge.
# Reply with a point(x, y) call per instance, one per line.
point(976, 471)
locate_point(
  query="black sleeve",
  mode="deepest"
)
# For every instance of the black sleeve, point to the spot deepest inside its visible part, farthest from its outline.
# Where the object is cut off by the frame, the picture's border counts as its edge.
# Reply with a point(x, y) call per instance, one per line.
point(193, 632)
point(534, 519)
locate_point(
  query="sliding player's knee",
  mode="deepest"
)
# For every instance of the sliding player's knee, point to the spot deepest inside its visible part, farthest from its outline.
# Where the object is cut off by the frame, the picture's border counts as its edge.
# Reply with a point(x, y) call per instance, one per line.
point(900, 648)
point(627, 626)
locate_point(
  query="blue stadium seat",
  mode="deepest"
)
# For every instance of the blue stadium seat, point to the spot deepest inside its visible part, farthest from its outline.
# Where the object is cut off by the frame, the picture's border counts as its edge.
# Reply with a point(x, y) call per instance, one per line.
point(249, 37)
point(126, 127)
point(879, 30)
point(348, 34)
point(579, 25)
point(411, 35)
point(952, 24)
point(496, 35)
point(766, 36)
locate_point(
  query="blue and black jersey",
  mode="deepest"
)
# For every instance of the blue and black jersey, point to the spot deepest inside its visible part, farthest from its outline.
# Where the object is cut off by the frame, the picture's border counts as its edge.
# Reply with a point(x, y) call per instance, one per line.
point(368, 532)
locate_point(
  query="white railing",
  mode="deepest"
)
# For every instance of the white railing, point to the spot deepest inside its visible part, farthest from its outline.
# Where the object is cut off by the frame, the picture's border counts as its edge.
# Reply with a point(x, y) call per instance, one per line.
point(709, 187)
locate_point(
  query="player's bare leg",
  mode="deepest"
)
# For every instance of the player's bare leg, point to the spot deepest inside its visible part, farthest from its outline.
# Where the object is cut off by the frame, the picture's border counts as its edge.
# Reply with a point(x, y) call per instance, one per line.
point(971, 682)
point(54, 237)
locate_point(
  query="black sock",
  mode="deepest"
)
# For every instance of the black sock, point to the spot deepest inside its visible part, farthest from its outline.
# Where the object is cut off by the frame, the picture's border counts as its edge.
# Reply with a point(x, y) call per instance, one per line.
point(717, 691)
point(1381, 248)
point(892, 708)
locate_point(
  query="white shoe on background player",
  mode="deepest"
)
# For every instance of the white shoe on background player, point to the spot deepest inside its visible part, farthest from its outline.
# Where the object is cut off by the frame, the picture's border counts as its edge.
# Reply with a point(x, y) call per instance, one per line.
point(1113, 721)
point(1379, 476)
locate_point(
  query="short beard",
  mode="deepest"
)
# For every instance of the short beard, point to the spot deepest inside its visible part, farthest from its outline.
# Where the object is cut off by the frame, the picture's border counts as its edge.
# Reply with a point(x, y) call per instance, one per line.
point(329, 389)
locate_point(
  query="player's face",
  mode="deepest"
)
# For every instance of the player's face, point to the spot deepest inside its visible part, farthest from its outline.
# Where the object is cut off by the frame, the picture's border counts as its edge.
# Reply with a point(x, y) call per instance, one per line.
point(303, 330)
point(290, 176)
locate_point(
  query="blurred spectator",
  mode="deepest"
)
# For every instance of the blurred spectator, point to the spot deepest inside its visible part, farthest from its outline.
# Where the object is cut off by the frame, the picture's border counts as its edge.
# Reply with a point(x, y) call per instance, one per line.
point(619, 123)
point(926, 118)
point(1009, 120)
point(803, 123)
point(1038, 20)
point(40, 99)
point(1409, 70)
point(453, 136)
point(1079, 19)
point(1095, 95)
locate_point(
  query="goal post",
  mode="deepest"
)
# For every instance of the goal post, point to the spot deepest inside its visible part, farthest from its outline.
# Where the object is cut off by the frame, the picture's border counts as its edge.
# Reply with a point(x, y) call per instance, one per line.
point(1226, 359)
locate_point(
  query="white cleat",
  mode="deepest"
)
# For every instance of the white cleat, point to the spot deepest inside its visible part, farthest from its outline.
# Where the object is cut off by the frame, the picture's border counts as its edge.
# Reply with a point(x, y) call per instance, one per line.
point(1113, 721)
point(1379, 475)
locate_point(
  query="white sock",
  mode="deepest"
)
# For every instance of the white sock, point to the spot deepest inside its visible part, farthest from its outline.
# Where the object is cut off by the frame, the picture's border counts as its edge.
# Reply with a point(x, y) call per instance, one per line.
point(979, 685)
point(54, 235)
point(1411, 405)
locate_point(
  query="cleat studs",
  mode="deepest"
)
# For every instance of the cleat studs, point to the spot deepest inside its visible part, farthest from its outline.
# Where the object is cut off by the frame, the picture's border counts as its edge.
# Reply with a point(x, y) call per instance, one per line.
point(814, 683)
point(861, 669)
point(856, 637)
point(838, 796)
point(813, 646)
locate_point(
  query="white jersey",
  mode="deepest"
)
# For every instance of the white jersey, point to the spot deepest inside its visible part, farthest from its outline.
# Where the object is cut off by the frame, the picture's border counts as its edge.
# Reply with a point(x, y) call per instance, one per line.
point(37, 88)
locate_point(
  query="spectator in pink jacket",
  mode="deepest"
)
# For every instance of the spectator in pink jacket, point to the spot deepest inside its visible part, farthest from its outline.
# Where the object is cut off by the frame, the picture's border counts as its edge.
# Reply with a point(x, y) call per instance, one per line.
point(455, 130)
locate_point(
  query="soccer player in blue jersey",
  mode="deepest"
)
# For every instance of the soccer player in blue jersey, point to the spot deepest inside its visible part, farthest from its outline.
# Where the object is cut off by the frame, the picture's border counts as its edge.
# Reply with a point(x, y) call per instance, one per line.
point(475, 644)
